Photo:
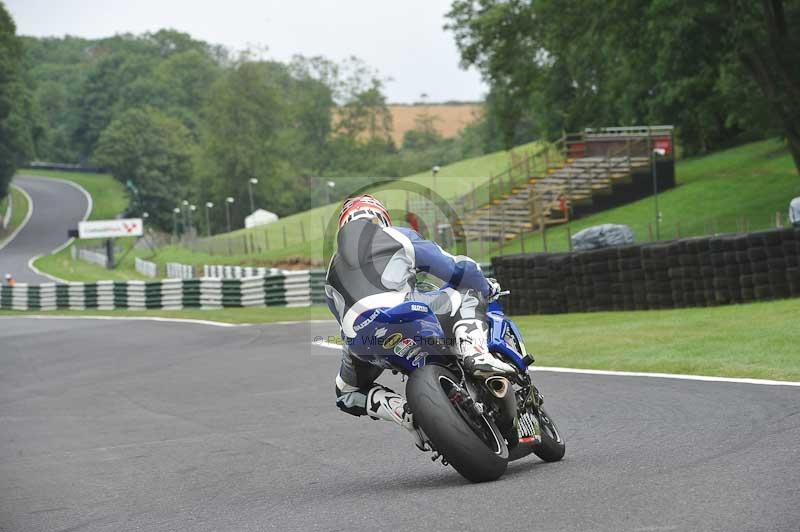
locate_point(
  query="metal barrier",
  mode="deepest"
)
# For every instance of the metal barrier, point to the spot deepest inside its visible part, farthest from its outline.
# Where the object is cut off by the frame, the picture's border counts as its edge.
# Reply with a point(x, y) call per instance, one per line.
point(146, 268)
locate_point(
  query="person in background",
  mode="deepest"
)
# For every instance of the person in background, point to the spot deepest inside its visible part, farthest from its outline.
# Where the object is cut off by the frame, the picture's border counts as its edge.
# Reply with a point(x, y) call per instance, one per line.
point(10, 281)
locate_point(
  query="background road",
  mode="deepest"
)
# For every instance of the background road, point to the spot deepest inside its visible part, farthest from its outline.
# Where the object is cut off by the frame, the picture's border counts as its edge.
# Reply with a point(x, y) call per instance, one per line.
point(57, 207)
point(123, 425)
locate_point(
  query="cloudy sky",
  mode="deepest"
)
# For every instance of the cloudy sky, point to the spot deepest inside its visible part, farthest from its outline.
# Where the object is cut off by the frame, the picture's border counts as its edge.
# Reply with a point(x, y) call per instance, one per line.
point(403, 39)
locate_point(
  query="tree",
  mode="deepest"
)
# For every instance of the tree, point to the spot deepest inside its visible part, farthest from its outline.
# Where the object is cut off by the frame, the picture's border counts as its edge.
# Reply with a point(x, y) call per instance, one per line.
point(177, 86)
point(245, 135)
point(153, 152)
point(105, 84)
point(594, 62)
point(765, 40)
point(16, 142)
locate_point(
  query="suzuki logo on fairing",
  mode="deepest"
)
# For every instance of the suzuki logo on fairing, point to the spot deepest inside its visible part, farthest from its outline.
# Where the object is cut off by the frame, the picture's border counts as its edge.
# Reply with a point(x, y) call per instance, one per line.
point(367, 321)
point(380, 333)
point(419, 308)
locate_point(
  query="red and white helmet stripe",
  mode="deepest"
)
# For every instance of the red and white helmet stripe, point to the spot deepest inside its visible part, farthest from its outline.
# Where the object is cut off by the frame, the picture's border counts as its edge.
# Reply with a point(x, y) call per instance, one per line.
point(364, 206)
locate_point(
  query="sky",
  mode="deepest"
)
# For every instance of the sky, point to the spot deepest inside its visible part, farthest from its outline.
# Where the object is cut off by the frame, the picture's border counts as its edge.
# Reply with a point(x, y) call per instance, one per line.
point(403, 40)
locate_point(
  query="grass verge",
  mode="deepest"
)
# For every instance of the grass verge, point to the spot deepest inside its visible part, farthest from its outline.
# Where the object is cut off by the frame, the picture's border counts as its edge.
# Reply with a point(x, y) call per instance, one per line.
point(757, 340)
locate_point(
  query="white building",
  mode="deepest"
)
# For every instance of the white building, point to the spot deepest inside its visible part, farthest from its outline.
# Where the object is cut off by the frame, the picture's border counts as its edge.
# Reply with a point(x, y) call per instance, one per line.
point(794, 212)
point(260, 217)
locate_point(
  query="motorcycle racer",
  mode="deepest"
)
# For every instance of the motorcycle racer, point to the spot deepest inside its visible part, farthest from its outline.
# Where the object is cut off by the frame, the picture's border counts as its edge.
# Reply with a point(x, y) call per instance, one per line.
point(375, 267)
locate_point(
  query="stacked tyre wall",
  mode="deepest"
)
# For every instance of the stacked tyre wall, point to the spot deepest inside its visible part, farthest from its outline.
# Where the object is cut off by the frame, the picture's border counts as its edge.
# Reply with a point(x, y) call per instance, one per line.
point(295, 289)
point(696, 272)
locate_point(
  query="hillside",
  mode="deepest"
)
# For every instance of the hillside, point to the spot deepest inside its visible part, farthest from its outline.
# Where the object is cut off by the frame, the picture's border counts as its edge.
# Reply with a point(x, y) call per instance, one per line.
point(733, 190)
point(452, 180)
point(723, 192)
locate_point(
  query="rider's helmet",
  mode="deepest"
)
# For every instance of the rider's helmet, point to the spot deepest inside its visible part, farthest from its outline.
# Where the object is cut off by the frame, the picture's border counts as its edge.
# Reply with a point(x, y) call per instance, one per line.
point(364, 206)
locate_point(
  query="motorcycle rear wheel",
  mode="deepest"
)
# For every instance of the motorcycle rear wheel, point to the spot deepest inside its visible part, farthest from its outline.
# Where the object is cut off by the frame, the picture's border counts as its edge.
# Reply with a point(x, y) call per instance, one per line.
point(472, 444)
point(551, 448)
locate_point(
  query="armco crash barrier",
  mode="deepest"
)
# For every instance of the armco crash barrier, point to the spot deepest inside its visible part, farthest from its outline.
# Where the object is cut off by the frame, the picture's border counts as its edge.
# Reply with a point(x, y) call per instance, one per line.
point(694, 272)
point(286, 289)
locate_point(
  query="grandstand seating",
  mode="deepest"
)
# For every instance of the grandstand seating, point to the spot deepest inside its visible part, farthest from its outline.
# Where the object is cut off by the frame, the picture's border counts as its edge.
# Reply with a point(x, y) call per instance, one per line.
point(614, 163)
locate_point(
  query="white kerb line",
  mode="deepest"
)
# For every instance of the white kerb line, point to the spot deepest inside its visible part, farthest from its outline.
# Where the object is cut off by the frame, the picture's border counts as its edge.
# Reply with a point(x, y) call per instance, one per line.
point(678, 376)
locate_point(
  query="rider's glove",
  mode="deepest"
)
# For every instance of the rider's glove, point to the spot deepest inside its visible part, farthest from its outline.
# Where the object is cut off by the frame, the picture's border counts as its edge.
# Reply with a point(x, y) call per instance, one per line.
point(494, 289)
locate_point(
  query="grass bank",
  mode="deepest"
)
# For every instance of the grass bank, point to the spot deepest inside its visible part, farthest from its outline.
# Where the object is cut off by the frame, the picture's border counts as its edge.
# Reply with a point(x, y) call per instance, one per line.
point(109, 199)
point(717, 193)
point(303, 232)
point(757, 340)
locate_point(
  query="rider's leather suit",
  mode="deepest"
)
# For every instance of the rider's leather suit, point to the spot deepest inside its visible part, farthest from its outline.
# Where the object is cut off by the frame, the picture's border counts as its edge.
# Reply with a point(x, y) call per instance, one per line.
point(375, 267)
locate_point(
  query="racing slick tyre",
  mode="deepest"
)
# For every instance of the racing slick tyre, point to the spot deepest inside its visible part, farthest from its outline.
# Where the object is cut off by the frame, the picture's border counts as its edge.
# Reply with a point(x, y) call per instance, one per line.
point(471, 443)
point(551, 448)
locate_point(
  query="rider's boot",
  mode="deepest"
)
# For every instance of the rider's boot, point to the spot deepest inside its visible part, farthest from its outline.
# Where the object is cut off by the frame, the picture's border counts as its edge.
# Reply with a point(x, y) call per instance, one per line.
point(383, 403)
point(470, 336)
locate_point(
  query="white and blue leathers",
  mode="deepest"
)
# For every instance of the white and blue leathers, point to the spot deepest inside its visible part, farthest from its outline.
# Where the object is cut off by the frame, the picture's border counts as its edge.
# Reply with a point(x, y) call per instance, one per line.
point(375, 267)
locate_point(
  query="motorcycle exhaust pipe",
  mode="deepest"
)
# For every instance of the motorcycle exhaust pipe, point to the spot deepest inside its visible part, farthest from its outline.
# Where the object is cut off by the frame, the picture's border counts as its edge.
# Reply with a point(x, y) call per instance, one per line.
point(499, 386)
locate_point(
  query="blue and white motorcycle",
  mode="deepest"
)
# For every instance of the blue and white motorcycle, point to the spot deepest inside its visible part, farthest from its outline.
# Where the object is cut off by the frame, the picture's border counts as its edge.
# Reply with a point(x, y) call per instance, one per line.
point(475, 424)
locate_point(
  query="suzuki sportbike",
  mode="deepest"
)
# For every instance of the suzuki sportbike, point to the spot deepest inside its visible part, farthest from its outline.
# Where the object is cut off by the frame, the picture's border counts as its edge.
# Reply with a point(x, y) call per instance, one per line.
point(475, 424)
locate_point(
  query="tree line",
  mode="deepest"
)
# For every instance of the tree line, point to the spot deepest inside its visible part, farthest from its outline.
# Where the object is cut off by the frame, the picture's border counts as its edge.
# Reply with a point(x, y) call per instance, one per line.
point(173, 118)
point(722, 71)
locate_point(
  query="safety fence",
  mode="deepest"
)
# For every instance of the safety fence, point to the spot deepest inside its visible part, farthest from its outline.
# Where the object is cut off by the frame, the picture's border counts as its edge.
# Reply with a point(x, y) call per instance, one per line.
point(289, 289)
point(145, 267)
point(694, 272)
point(89, 255)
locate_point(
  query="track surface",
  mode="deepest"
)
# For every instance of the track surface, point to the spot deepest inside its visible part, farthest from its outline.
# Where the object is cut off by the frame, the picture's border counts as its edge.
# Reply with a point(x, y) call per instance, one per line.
point(57, 207)
point(117, 425)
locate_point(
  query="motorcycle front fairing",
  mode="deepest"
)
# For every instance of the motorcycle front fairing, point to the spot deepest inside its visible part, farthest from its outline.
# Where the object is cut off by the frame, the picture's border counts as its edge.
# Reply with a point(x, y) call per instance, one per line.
point(499, 327)
point(403, 338)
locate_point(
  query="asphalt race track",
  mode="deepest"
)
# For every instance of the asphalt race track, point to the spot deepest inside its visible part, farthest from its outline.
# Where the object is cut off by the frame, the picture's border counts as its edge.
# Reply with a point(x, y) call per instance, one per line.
point(57, 207)
point(139, 425)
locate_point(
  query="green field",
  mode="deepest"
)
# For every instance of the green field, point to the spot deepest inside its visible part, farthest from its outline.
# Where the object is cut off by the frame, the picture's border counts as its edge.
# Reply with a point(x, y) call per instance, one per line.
point(757, 340)
point(728, 191)
point(18, 214)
